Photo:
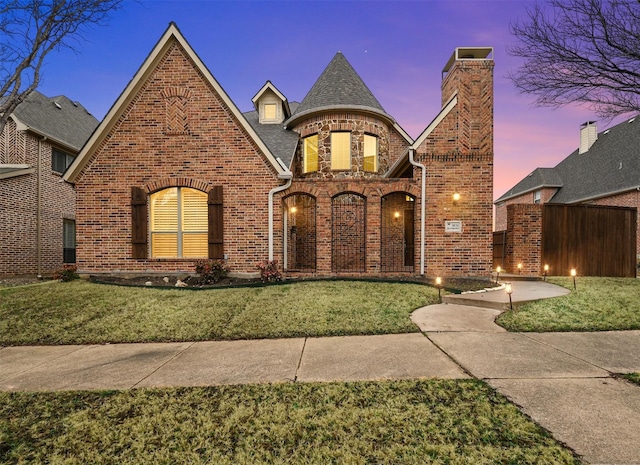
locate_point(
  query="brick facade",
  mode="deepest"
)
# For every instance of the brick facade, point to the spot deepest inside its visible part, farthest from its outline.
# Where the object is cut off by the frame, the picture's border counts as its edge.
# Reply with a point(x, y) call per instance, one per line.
point(18, 207)
point(501, 209)
point(524, 239)
point(177, 130)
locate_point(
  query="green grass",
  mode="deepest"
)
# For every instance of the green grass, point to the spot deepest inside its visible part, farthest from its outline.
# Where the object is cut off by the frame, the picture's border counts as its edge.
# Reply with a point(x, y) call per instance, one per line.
point(399, 422)
point(598, 304)
point(80, 312)
point(633, 377)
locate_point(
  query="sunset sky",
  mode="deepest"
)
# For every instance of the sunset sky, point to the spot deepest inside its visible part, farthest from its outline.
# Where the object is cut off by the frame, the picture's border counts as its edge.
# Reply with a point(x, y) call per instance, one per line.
point(398, 47)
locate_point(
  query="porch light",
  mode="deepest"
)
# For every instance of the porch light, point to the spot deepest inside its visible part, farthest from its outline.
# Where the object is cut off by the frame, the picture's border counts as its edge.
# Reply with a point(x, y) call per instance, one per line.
point(456, 197)
point(293, 209)
point(546, 271)
point(396, 215)
point(509, 290)
point(519, 268)
point(439, 286)
point(573, 275)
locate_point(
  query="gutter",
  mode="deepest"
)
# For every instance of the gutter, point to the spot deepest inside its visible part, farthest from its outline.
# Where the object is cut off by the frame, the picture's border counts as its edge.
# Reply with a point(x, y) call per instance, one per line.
point(288, 176)
point(423, 189)
point(38, 210)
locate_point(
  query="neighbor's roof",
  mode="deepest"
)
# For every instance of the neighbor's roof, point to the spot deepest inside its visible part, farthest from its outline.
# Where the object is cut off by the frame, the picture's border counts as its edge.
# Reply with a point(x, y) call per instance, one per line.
point(537, 179)
point(610, 166)
point(63, 121)
point(339, 87)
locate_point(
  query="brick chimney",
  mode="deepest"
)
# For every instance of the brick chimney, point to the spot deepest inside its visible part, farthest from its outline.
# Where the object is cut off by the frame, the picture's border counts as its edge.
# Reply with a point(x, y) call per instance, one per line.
point(588, 135)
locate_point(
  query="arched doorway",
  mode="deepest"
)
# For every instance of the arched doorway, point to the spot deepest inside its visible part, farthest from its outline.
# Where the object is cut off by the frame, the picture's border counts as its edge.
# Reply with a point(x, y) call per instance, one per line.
point(300, 233)
point(397, 236)
point(348, 240)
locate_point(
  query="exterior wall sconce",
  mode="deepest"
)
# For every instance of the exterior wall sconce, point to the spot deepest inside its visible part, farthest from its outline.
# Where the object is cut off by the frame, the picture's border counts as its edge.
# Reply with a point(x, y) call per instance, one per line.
point(396, 215)
point(573, 275)
point(456, 198)
point(519, 268)
point(293, 209)
point(498, 271)
point(546, 272)
point(509, 290)
point(439, 286)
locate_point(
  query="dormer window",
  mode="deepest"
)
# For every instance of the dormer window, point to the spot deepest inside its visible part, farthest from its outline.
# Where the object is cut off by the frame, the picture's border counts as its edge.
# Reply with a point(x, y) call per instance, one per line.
point(270, 111)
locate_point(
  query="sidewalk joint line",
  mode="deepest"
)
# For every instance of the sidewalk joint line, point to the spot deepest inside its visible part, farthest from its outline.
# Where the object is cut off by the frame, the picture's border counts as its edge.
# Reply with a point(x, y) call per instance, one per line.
point(163, 364)
point(464, 370)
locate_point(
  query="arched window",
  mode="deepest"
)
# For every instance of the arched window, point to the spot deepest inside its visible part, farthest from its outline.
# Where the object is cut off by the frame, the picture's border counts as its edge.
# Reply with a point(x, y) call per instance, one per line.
point(179, 223)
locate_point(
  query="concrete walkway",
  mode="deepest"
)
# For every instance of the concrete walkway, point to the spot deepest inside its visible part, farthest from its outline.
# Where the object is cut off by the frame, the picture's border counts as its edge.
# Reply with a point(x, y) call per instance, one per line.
point(562, 380)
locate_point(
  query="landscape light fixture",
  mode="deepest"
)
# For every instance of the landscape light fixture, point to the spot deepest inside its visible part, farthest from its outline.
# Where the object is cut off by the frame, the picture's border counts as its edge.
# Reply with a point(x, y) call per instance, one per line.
point(498, 270)
point(546, 271)
point(519, 268)
point(509, 290)
point(573, 275)
point(456, 197)
point(439, 286)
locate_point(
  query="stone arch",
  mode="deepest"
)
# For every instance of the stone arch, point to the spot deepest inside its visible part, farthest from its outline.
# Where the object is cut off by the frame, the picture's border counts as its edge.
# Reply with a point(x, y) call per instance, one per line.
point(160, 184)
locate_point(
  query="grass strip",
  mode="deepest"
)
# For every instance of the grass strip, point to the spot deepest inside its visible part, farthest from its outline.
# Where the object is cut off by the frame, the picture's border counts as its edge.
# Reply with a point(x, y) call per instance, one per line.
point(633, 377)
point(392, 422)
point(597, 304)
point(80, 312)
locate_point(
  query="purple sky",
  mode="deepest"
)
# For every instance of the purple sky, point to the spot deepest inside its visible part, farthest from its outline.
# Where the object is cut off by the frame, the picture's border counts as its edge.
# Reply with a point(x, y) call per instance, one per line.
point(398, 47)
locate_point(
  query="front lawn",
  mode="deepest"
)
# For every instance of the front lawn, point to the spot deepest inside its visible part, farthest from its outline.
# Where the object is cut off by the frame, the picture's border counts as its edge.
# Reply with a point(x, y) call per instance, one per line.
point(598, 304)
point(393, 422)
point(80, 312)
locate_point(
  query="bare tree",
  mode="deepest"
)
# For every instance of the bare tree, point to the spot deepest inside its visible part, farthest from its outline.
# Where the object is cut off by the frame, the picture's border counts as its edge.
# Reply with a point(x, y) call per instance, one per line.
point(29, 31)
point(581, 51)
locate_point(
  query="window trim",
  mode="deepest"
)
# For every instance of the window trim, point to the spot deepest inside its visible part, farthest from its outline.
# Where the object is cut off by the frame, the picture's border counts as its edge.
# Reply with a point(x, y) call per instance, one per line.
point(56, 154)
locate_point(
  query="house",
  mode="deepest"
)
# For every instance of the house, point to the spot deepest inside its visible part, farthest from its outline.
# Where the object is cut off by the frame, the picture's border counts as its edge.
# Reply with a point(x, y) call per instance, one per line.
point(328, 186)
point(37, 208)
point(604, 170)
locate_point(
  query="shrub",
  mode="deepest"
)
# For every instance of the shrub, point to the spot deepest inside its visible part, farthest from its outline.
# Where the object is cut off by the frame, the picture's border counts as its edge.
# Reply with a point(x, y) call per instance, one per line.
point(269, 271)
point(67, 273)
point(211, 271)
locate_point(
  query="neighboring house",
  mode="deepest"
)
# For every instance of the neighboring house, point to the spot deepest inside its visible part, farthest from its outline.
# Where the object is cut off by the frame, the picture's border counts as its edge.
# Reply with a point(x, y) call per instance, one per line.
point(330, 186)
point(37, 208)
point(603, 170)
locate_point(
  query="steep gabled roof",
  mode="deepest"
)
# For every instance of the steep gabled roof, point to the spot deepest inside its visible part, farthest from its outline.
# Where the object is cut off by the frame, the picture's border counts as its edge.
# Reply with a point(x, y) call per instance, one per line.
point(610, 166)
point(171, 35)
point(537, 179)
point(339, 87)
point(61, 120)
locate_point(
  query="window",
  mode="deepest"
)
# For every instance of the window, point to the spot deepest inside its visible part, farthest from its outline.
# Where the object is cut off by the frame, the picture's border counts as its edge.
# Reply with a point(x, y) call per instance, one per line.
point(269, 111)
point(370, 153)
point(60, 161)
point(537, 195)
point(179, 223)
point(340, 151)
point(310, 155)
point(68, 241)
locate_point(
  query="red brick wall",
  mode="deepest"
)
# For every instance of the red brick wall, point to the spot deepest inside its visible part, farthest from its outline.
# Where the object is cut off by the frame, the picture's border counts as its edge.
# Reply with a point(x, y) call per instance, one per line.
point(18, 200)
point(501, 208)
point(524, 239)
point(145, 149)
point(458, 156)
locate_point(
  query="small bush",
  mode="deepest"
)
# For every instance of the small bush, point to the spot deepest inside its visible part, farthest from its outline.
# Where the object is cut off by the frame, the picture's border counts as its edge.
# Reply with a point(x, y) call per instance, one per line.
point(211, 271)
point(67, 273)
point(269, 271)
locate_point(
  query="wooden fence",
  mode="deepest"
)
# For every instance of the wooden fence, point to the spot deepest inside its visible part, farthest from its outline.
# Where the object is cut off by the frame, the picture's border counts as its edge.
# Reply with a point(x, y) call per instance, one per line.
point(595, 240)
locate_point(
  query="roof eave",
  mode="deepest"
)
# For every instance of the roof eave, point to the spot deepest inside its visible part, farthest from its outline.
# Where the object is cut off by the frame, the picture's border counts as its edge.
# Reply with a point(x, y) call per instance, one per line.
point(527, 191)
point(333, 108)
point(60, 143)
point(607, 194)
point(446, 109)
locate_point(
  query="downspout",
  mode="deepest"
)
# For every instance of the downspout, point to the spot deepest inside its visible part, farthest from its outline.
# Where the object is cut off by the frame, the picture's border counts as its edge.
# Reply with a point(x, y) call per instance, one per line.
point(38, 208)
point(288, 175)
point(423, 189)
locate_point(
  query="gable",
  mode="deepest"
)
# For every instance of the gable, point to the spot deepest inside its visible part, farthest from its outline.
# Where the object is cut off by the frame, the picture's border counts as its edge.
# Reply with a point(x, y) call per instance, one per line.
point(180, 99)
